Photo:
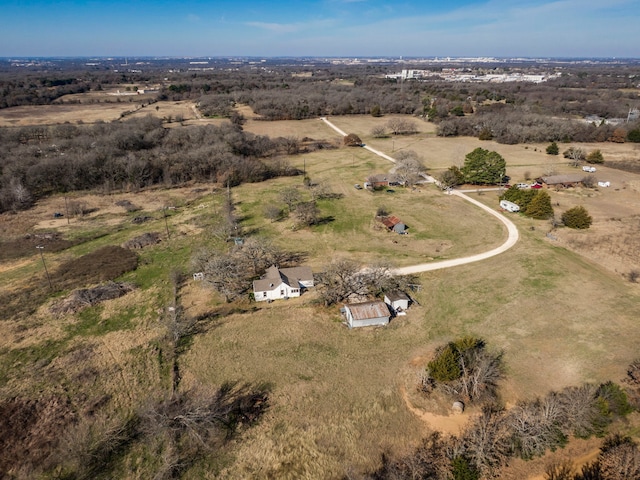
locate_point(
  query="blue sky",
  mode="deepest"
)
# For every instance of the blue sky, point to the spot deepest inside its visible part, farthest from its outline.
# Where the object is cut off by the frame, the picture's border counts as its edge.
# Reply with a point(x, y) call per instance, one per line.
point(533, 28)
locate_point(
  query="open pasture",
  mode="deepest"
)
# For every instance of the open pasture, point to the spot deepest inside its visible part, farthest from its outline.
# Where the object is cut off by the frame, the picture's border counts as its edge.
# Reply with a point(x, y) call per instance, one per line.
point(558, 311)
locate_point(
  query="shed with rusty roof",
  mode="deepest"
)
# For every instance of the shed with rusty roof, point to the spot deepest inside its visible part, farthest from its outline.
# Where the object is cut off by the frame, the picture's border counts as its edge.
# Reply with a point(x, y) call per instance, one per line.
point(367, 314)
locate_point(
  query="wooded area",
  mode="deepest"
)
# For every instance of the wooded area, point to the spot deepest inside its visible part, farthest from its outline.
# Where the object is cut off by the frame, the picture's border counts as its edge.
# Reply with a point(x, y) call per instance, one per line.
point(135, 153)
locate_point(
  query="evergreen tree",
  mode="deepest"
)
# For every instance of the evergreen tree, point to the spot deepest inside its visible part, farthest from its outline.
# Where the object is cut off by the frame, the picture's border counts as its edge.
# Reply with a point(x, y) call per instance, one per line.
point(540, 206)
point(483, 167)
point(595, 157)
point(577, 217)
point(634, 135)
point(553, 149)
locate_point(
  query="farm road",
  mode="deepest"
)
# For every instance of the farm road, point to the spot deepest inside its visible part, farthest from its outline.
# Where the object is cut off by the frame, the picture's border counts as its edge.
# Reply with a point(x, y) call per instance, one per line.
point(512, 231)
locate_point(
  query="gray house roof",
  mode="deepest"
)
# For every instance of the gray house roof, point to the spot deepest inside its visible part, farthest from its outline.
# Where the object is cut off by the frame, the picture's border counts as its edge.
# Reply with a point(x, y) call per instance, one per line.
point(397, 295)
point(368, 310)
point(562, 179)
point(275, 276)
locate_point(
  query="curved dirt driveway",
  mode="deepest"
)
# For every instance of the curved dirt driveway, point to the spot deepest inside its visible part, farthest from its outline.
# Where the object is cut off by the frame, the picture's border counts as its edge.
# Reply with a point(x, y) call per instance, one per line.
point(512, 231)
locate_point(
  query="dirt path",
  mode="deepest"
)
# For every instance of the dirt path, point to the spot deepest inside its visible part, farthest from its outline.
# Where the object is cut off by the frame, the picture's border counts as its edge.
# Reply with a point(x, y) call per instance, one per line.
point(448, 424)
point(512, 231)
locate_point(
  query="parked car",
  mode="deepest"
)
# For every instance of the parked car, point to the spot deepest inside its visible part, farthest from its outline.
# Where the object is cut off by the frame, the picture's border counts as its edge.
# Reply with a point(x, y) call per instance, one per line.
point(357, 186)
point(535, 185)
point(589, 169)
point(523, 185)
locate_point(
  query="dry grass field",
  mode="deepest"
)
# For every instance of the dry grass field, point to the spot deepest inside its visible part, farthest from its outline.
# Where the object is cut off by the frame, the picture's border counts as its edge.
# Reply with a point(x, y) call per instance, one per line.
point(558, 306)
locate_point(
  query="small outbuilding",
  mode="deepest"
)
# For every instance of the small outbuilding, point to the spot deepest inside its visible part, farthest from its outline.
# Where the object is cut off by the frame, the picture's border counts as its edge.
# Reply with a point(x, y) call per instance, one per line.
point(394, 224)
point(366, 314)
point(397, 300)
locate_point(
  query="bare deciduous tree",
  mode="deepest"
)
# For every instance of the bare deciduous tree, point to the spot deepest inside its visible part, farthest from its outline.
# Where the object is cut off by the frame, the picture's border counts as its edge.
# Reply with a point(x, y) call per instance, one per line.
point(619, 458)
point(307, 213)
point(487, 441)
point(575, 155)
point(290, 196)
point(535, 426)
point(226, 274)
point(409, 167)
point(272, 212)
point(379, 131)
point(578, 410)
point(402, 126)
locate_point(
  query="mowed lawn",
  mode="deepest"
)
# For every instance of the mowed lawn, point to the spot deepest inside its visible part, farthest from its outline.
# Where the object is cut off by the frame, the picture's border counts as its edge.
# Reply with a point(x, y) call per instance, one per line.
point(440, 226)
point(337, 393)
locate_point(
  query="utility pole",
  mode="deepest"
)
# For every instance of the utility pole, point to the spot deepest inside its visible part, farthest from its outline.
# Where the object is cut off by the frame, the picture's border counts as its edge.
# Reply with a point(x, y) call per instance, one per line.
point(66, 210)
point(41, 248)
point(166, 223)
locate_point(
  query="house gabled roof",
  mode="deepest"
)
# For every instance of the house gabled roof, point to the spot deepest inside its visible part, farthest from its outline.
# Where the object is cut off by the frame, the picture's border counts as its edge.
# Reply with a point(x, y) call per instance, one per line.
point(383, 178)
point(368, 310)
point(274, 277)
point(303, 274)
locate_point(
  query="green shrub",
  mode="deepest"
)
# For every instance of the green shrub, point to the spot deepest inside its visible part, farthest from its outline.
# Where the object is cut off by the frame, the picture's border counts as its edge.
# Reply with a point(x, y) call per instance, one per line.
point(634, 135)
point(462, 469)
point(521, 197)
point(611, 403)
point(445, 367)
point(540, 206)
point(553, 149)
point(595, 156)
point(577, 217)
point(465, 344)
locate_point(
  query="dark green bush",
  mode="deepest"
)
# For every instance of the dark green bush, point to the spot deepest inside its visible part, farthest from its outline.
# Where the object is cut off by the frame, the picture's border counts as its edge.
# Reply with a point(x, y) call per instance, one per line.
point(577, 217)
point(445, 367)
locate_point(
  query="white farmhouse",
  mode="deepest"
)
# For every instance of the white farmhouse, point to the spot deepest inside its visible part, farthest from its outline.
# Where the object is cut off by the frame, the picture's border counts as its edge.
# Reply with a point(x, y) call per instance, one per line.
point(279, 283)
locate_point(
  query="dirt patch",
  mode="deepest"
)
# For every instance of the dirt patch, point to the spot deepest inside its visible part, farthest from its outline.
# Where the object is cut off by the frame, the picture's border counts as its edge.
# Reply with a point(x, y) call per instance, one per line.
point(87, 297)
point(106, 263)
point(578, 451)
point(448, 424)
point(26, 245)
point(30, 429)
point(141, 241)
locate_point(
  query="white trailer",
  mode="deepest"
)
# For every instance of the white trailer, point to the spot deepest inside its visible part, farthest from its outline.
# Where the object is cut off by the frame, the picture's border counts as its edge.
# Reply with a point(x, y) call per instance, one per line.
point(509, 206)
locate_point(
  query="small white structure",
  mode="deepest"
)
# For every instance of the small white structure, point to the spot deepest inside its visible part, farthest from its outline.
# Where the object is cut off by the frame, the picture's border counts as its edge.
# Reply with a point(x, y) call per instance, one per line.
point(397, 300)
point(280, 283)
point(589, 169)
point(509, 206)
point(366, 314)
point(198, 276)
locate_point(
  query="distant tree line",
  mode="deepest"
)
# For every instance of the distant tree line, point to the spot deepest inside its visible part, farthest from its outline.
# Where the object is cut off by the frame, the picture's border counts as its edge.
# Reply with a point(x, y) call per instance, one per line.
point(512, 124)
point(37, 161)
